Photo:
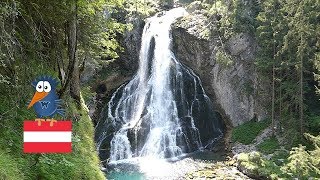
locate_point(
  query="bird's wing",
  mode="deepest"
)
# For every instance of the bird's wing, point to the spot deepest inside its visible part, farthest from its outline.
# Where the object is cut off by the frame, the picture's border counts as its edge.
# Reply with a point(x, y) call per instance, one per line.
point(58, 102)
point(62, 112)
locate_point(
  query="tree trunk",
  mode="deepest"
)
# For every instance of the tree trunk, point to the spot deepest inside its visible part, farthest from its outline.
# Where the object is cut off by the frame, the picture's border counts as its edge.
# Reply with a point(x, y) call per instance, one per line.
point(72, 78)
point(273, 87)
point(280, 104)
point(273, 81)
point(301, 95)
point(72, 48)
point(273, 100)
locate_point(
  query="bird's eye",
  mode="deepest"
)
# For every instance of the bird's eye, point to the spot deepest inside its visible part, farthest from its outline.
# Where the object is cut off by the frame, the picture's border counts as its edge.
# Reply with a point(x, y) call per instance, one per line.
point(47, 86)
point(39, 86)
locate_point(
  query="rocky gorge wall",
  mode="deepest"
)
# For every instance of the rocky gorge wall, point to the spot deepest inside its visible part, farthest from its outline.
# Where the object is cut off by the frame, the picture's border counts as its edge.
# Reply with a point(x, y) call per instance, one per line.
point(233, 87)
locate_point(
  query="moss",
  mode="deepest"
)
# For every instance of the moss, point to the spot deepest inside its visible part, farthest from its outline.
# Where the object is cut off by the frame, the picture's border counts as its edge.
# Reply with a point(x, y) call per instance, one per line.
point(69, 166)
point(87, 93)
point(9, 167)
point(82, 163)
point(248, 131)
point(269, 145)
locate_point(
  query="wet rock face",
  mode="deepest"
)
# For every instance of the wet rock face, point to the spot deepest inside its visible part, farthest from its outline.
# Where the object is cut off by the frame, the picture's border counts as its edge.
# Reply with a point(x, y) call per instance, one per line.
point(131, 41)
point(234, 88)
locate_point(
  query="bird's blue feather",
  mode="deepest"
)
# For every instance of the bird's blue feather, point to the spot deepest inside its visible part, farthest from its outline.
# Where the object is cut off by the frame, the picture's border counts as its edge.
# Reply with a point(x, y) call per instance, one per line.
point(51, 104)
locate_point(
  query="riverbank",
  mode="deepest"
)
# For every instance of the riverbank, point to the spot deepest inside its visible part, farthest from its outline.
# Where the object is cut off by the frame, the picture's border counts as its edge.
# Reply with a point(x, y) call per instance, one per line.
point(195, 166)
point(217, 170)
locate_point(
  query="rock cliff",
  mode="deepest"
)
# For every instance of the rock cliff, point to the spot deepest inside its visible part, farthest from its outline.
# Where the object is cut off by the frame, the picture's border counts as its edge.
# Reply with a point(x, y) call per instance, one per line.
point(233, 85)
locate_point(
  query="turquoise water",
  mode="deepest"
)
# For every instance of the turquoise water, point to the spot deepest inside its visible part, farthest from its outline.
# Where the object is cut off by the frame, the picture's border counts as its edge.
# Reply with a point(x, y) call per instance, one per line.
point(126, 174)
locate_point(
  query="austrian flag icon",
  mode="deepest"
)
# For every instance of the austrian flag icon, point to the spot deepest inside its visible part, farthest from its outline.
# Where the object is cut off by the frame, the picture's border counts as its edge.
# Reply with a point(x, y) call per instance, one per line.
point(46, 138)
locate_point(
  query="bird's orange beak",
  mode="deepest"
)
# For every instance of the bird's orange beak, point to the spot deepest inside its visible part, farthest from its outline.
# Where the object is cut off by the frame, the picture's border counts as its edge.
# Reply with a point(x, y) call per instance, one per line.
point(37, 97)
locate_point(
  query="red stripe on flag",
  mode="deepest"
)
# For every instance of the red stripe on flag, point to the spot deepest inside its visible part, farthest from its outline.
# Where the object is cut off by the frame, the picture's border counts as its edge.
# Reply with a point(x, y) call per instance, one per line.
point(47, 147)
point(45, 126)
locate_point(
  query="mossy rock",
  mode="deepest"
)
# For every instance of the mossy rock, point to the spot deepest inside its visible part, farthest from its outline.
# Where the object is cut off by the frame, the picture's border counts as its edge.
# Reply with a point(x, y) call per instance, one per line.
point(255, 166)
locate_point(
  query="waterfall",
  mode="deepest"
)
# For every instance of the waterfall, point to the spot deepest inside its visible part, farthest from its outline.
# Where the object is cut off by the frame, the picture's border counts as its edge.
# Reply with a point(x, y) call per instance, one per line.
point(158, 113)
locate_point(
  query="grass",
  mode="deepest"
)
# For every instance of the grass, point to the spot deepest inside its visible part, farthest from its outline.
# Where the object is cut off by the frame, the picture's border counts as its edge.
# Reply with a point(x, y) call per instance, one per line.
point(71, 166)
point(82, 163)
point(269, 145)
point(10, 171)
point(248, 131)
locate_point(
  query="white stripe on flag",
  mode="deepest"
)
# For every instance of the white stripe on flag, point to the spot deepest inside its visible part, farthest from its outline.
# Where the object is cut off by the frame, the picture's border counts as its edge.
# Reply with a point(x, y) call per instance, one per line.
point(46, 136)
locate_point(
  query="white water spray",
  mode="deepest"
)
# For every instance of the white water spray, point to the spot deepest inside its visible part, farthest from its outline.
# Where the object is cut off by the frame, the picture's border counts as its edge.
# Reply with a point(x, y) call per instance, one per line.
point(155, 112)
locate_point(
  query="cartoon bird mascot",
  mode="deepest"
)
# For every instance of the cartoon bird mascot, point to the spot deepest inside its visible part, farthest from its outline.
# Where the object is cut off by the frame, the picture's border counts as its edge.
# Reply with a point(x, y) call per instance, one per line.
point(45, 101)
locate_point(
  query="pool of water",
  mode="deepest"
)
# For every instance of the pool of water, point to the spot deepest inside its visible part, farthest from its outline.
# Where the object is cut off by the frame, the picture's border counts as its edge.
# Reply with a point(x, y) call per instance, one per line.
point(148, 168)
point(125, 175)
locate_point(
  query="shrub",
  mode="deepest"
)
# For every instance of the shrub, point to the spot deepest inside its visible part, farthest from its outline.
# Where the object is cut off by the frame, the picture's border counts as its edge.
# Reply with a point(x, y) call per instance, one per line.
point(269, 145)
point(304, 164)
point(255, 166)
point(248, 131)
point(313, 123)
point(300, 164)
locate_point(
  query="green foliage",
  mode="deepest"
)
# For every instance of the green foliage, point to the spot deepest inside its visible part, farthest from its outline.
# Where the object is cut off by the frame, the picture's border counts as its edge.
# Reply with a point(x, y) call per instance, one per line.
point(244, 14)
point(248, 131)
point(317, 66)
point(301, 164)
point(35, 33)
point(87, 93)
point(11, 171)
point(218, 8)
point(224, 59)
point(304, 164)
point(46, 166)
point(142, 7)
point(68, 166)
point(269, 145)
point(33, 38)
point(280, 156)
point(288, 36)
point(313, 123)
point(98, 29)
point(257, 166)
point(224, 23)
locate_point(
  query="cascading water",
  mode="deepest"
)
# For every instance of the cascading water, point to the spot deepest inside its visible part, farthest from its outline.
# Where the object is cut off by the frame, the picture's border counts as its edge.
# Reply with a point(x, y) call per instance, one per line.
point(159, 112)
